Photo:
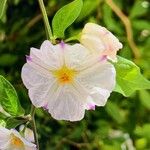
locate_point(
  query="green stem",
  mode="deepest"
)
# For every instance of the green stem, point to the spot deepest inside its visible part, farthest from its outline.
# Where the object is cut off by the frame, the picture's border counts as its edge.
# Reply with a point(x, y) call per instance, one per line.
point(34, 126)
point(45, 18)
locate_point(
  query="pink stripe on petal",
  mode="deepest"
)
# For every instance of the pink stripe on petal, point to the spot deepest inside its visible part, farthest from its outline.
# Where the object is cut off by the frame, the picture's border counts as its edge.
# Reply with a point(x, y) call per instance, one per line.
point(103, 58)
point(106, 33)
point(28, 58)
point(110, 47)
point(62, 44)
point(91, 106)
point(45, 106)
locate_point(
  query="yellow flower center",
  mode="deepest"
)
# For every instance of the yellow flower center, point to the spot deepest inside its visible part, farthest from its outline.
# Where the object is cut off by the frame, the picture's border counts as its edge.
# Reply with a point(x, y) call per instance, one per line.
point(16, 142)
point(65, 75)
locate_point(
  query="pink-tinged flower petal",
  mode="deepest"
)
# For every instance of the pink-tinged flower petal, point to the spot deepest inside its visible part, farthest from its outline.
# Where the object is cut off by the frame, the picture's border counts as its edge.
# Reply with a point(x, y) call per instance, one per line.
point(103, 58)
point(4, 132)
point(91, 106)
point(88, 75)
point(46, 45)
point(4, 137)
point(51, 54)
point(28, 58)
point(62, 44)
point(99, 40)
point(32, 77)
point(93, 43)
point(39, 93)
point(46, 58)
point(76, 55)
point(45, 107)
point(99, 81)
point(29, 135)
point(40, 66)
point(66, 104)
point(38, 85)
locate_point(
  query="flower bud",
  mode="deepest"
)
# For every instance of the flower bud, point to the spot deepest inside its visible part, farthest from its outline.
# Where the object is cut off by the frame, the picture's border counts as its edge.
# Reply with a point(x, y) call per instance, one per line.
point(99, 40)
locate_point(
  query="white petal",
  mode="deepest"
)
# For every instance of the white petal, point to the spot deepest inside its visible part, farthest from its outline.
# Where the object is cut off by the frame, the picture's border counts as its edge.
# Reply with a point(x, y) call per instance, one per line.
point(37, 60)
point(94, 29)
point(39, 93)
point(51, 54)
point(66, 104)
point(93, 43)
point(4, 137)
point(99, 80)
point(76, 55)
point(90, 104)
point(5, 145)
point(38, 65)
point(37, 84)
point(100, 95)
point(29, 135)
point(46, 45)
point(30, 148)
point(45, 59)
point(35, 52)
point(32, 77)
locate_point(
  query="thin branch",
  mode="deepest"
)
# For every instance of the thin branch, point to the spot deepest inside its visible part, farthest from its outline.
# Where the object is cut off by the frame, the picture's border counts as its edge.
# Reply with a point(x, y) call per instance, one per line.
point(127, 25)
point(34, 20)
point(38, 17)
point(77, 145)
point(34, 126)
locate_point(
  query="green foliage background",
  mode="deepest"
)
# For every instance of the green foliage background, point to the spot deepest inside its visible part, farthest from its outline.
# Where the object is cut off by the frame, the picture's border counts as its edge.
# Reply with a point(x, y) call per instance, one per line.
point(123, 122)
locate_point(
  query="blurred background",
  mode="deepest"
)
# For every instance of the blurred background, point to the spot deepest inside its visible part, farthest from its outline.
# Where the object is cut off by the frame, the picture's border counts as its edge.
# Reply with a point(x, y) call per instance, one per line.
point(124, 123)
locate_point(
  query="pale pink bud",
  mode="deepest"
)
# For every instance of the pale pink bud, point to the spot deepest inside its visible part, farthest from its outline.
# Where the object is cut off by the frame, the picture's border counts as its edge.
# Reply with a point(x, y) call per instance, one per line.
point(99, 40)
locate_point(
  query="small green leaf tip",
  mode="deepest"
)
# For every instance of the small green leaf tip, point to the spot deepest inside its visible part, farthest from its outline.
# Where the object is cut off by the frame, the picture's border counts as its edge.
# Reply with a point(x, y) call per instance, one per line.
point(65, 16)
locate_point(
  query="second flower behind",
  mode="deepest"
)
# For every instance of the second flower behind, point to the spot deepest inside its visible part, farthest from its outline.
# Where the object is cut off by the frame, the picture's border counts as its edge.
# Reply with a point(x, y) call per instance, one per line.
point(99, 40)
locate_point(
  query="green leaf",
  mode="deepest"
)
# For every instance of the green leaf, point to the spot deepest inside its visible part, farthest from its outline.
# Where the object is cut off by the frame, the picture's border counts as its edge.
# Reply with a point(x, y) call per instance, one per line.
point(145, 98)
point(129, 78)
point(3, 116)
point(8, 59)
point(2, 7)
point(141, 24)
point(9, 99)
point(2, 123)
point(139, 9)
point(88, 7)
point(143, 131)
point(65, 16)
point(141, 143)
point(13, 123)
point(114, 111)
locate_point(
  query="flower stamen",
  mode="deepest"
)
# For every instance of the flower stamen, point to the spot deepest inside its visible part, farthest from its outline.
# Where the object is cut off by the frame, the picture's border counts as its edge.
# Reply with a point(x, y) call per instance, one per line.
point(16, 142)
point(65, 75)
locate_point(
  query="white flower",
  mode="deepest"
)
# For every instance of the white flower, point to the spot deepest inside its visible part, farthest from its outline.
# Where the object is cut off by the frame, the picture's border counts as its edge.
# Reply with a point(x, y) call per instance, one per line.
point(98, 39)
point(67, 79)
point(12, 140)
